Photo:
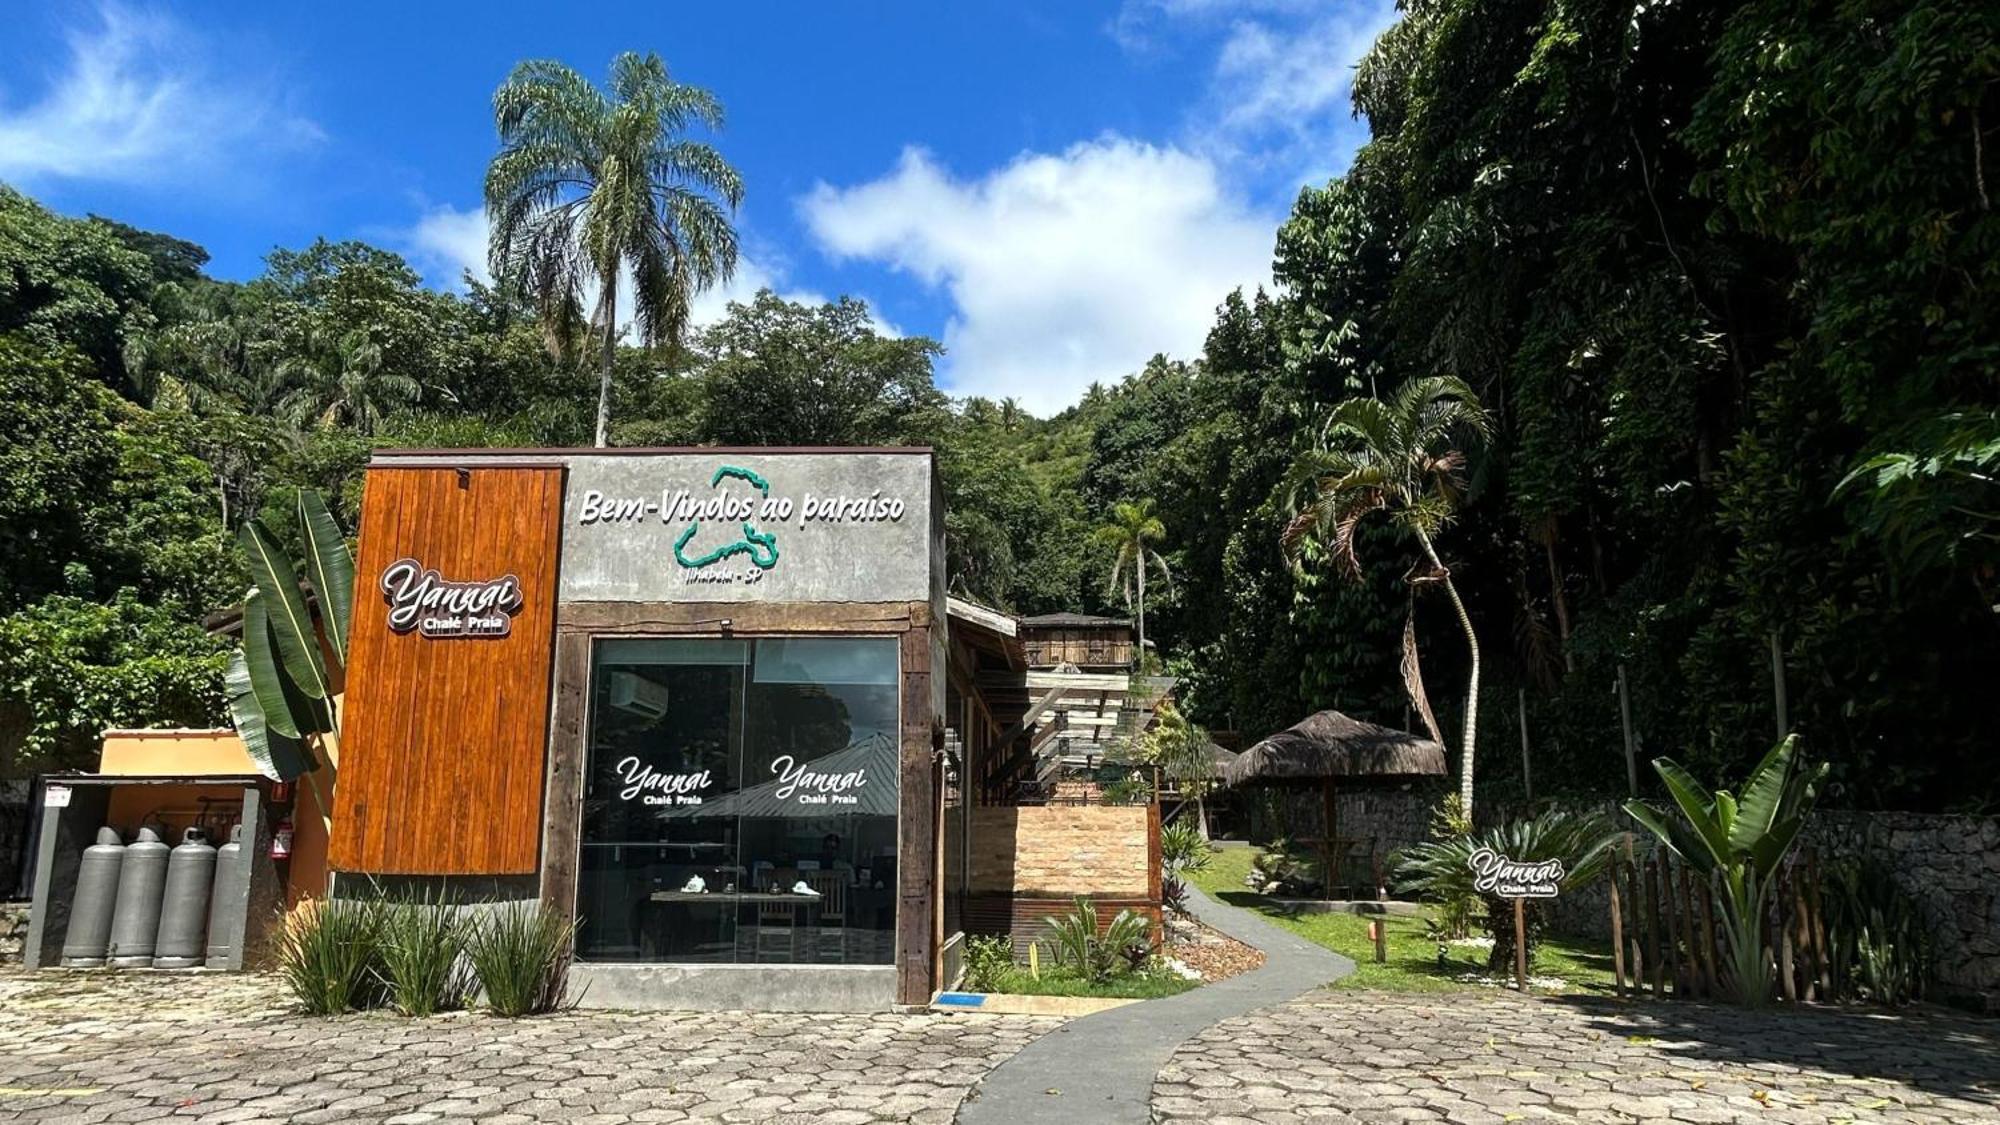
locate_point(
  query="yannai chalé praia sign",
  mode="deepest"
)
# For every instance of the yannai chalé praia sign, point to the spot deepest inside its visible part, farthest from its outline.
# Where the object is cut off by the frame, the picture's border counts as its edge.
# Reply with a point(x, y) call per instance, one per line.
point(434, 606)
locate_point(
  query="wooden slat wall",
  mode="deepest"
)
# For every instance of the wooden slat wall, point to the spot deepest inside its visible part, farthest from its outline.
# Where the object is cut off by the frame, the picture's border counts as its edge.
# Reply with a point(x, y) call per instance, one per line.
point(443, 739)
point(1100, 647)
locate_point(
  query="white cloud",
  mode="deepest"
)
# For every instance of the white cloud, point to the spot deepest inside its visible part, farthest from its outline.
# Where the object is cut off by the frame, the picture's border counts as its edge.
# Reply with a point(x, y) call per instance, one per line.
point(1277, 103)
point(138, 100)
point(1280, 94)
point(447, 243)
point(1063, 269)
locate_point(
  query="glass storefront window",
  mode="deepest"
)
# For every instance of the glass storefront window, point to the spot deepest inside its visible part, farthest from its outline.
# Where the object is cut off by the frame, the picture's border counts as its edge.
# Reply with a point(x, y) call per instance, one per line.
point(740, 801)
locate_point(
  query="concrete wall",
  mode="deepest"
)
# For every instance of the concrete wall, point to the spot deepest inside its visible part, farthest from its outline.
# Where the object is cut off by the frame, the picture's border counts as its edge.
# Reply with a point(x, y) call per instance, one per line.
point(757, 988)
point(1061, 850)
point(856, 555)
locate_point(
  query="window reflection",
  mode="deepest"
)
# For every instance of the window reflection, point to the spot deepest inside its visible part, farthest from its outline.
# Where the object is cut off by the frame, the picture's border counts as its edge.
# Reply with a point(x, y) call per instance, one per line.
point(740, 801)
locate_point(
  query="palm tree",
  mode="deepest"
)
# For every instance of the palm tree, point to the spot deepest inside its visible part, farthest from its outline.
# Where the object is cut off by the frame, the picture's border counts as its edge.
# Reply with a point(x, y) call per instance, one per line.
point(588, 181)
point(342, 382)
point(1132, 527)
point(1395, 457)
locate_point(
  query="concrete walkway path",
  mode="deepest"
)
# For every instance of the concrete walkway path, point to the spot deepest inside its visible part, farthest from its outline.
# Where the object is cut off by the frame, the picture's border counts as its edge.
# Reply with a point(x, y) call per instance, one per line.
point(1099, 1070)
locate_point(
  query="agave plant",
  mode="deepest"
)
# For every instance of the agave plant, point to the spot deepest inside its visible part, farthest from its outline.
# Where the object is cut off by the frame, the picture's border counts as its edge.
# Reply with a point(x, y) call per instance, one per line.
point(1441, 870)
point(280, 684)
point(1127, 943)
point(1183, 848)
point(1739, 845)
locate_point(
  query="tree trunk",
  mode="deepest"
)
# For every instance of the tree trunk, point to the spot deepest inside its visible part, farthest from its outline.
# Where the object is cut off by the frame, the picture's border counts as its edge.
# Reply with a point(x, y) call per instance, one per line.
point(1559, 599)
point(610, 353)
point(1472, 689)
point(1139, 660)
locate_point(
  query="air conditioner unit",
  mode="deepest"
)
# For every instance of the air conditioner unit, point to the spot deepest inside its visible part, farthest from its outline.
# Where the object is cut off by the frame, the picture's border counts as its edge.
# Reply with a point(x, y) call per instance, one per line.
point(637, 694)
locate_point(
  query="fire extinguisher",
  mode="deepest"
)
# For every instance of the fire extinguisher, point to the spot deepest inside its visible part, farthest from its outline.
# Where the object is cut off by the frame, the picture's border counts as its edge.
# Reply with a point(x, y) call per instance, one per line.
point(281, 839)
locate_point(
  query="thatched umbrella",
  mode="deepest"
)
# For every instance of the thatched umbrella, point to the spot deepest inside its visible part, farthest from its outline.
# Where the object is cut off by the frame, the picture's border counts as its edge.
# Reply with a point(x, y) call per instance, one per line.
point(1331, 748)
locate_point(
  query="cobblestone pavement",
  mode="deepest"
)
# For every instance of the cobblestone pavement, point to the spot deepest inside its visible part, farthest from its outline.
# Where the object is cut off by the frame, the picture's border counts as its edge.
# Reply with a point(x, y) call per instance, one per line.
point(212, 1049)
point(1473, 1058)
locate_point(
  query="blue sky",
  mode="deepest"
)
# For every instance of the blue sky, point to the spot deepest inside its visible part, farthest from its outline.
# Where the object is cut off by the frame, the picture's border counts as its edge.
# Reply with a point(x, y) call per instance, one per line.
point(1056, 191)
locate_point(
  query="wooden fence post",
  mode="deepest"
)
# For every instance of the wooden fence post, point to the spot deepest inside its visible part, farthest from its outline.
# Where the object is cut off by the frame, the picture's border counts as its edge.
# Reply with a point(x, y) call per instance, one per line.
point(1617, 930)
point(1527, 774)
point(1625, 722)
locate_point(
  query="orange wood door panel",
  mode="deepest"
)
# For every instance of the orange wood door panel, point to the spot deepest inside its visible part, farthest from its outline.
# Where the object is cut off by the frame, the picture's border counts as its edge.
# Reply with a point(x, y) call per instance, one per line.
point(444, 736)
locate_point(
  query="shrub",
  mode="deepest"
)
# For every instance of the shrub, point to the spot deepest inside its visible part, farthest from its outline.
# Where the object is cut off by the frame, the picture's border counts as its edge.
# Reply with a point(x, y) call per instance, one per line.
point(1441, 870)
point(422, 947)
point(1739, 844)
point(329, 955)
point(987, 962)
point(520, 955)
point(1182, 848)
point(1283, 868)
point(1880, 943)
point(1125, 945)
point(1455, 913)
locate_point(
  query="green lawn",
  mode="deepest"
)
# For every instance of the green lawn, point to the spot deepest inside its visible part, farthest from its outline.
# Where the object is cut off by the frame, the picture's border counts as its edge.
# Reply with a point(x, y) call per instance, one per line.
point(1412, 964)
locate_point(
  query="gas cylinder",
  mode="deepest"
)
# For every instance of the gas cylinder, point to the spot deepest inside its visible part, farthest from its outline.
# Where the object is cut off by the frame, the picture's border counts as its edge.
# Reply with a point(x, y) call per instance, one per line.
point(90, 910)
point(182, 939)
point(135, 921)
point(227, 857)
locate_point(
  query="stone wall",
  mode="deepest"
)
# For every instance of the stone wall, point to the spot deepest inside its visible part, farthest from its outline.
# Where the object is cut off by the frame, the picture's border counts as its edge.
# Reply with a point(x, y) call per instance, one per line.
point(1394, 817)
point(1951, 866)
point(16, 821)
point(1062, 850)
point(13, 931)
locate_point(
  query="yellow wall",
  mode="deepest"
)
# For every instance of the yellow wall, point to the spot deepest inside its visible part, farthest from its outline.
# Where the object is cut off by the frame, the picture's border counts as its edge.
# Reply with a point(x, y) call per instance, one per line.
point(178, 753)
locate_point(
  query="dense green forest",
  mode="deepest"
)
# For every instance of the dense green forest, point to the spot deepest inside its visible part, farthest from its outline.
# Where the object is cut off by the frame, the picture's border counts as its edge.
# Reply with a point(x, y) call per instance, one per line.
point(1725, 276)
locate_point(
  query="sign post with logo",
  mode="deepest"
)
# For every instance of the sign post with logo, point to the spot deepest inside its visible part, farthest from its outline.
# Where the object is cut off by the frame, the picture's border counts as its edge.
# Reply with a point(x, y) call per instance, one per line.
point(1495, 874)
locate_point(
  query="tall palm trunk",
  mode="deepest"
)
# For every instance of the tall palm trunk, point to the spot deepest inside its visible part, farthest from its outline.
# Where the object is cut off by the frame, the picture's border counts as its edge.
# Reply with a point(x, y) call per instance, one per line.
point(610, 353)
point(1472, 690)
point(1140, 655)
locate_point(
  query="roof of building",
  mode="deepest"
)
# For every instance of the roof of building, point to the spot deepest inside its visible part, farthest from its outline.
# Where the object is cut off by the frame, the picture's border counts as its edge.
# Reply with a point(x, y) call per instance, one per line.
point(1074, 621)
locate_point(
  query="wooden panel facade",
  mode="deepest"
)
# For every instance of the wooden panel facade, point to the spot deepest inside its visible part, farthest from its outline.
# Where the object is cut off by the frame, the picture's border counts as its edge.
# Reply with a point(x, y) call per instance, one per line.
point(444, 738)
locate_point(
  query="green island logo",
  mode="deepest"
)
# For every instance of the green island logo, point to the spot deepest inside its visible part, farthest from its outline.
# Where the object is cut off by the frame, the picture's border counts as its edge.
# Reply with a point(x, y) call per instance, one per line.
point(761, 546)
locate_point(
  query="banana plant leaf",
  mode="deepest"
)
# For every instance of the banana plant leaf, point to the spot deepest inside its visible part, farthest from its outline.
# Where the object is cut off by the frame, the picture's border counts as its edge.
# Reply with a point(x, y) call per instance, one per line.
point(291, 626)
point(1764, 797)
point(279, 756)
point(263, 676)
point(287, 709)
point(331, 567)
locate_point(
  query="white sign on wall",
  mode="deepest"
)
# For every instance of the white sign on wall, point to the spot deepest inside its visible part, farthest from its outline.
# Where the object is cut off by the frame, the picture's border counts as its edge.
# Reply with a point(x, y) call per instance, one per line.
point(421, 599)
point(748, 526)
